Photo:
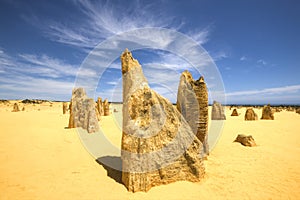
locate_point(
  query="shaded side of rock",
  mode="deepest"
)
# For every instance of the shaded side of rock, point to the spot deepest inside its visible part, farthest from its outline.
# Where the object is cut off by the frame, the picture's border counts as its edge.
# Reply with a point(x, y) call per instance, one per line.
point(298, 110)
point(250, 115)
point(158, 145)
point(217, 112)
point(245, 140)
point(192, 103)
point(83, 112)
point(65, 107)
point(234, 113)
point(267, 113)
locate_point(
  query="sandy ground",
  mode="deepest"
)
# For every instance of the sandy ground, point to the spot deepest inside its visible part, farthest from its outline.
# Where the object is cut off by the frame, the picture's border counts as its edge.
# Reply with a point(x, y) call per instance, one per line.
point(40, 159)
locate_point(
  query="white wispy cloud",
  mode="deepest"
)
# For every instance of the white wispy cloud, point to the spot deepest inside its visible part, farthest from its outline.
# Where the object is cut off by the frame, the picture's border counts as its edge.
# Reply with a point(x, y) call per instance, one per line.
point(267, 91)
point(112, 82)
point(261, 61)
point(33, 76)
point(46, 66)
point(243, 58)
point(5, 60)
point(219, 55)
point(105, 19)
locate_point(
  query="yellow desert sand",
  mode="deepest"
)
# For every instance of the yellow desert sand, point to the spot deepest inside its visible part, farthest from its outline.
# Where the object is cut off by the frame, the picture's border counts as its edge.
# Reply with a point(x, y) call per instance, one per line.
point(41, 159)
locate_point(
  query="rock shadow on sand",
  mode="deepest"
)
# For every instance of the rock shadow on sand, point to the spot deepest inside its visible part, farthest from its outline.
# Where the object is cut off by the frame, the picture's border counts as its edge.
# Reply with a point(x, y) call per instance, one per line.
point(113, 166)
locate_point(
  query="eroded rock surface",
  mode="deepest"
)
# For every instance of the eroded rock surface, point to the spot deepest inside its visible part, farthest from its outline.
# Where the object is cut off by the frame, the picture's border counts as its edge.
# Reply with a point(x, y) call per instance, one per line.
point(158, 145)
point(83, 112)
point(65, 107)
point(100, 106)
point(16, 108)
point(234, 113)
point(250, 115)
point(267, 113)
point(106, 107)
point(192, 103)
point(217, 112)
point(245, 140)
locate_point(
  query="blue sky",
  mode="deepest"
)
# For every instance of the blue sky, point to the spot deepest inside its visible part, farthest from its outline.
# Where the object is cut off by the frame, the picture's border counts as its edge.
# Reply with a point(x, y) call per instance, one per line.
point(254, 44)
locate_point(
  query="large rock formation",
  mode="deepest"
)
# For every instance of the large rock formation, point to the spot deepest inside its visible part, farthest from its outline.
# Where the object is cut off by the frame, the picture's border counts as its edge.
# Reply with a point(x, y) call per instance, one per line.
point(158, 145)
point(298, 110)
point(250, 115)
point(245, 140)
point(83, 112)
point(16, 108)
point(192, 103)
point(217, 112)
point(267, 113)
point(234, 113)
point(100, 106)
point(106, 107)
point(65, 107)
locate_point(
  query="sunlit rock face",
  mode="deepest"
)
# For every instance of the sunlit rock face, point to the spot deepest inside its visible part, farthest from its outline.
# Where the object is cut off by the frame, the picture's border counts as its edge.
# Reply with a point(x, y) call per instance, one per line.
point(192, 103)
point(100, 106)
point(106, 107)
point(267, 113)
point(250, 115)
point(158, 145)
point(217, 111)
point(83, 112)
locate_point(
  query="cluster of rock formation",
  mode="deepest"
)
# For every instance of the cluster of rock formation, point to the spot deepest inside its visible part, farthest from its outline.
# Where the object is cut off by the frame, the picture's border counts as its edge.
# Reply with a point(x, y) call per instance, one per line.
point(103, 107)
point(234, 113)
point(192, 103)
point(83, 112)
point(34, 101)
point(289, 108)
point(250, 115)
point(158, 145)
point(267, 113)
point(217, 112)
point(245, 140)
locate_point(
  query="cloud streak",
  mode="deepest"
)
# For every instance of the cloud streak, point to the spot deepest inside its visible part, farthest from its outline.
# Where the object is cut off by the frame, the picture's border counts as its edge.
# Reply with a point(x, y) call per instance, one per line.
point(33, 76)
point(267, 91)
point(261, 61)
point(105, 19)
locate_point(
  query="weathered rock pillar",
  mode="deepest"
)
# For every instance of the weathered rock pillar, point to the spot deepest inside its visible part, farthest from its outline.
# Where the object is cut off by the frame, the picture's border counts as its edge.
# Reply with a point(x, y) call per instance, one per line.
point(158, 145)
point(83, 112)
point(192, 103)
